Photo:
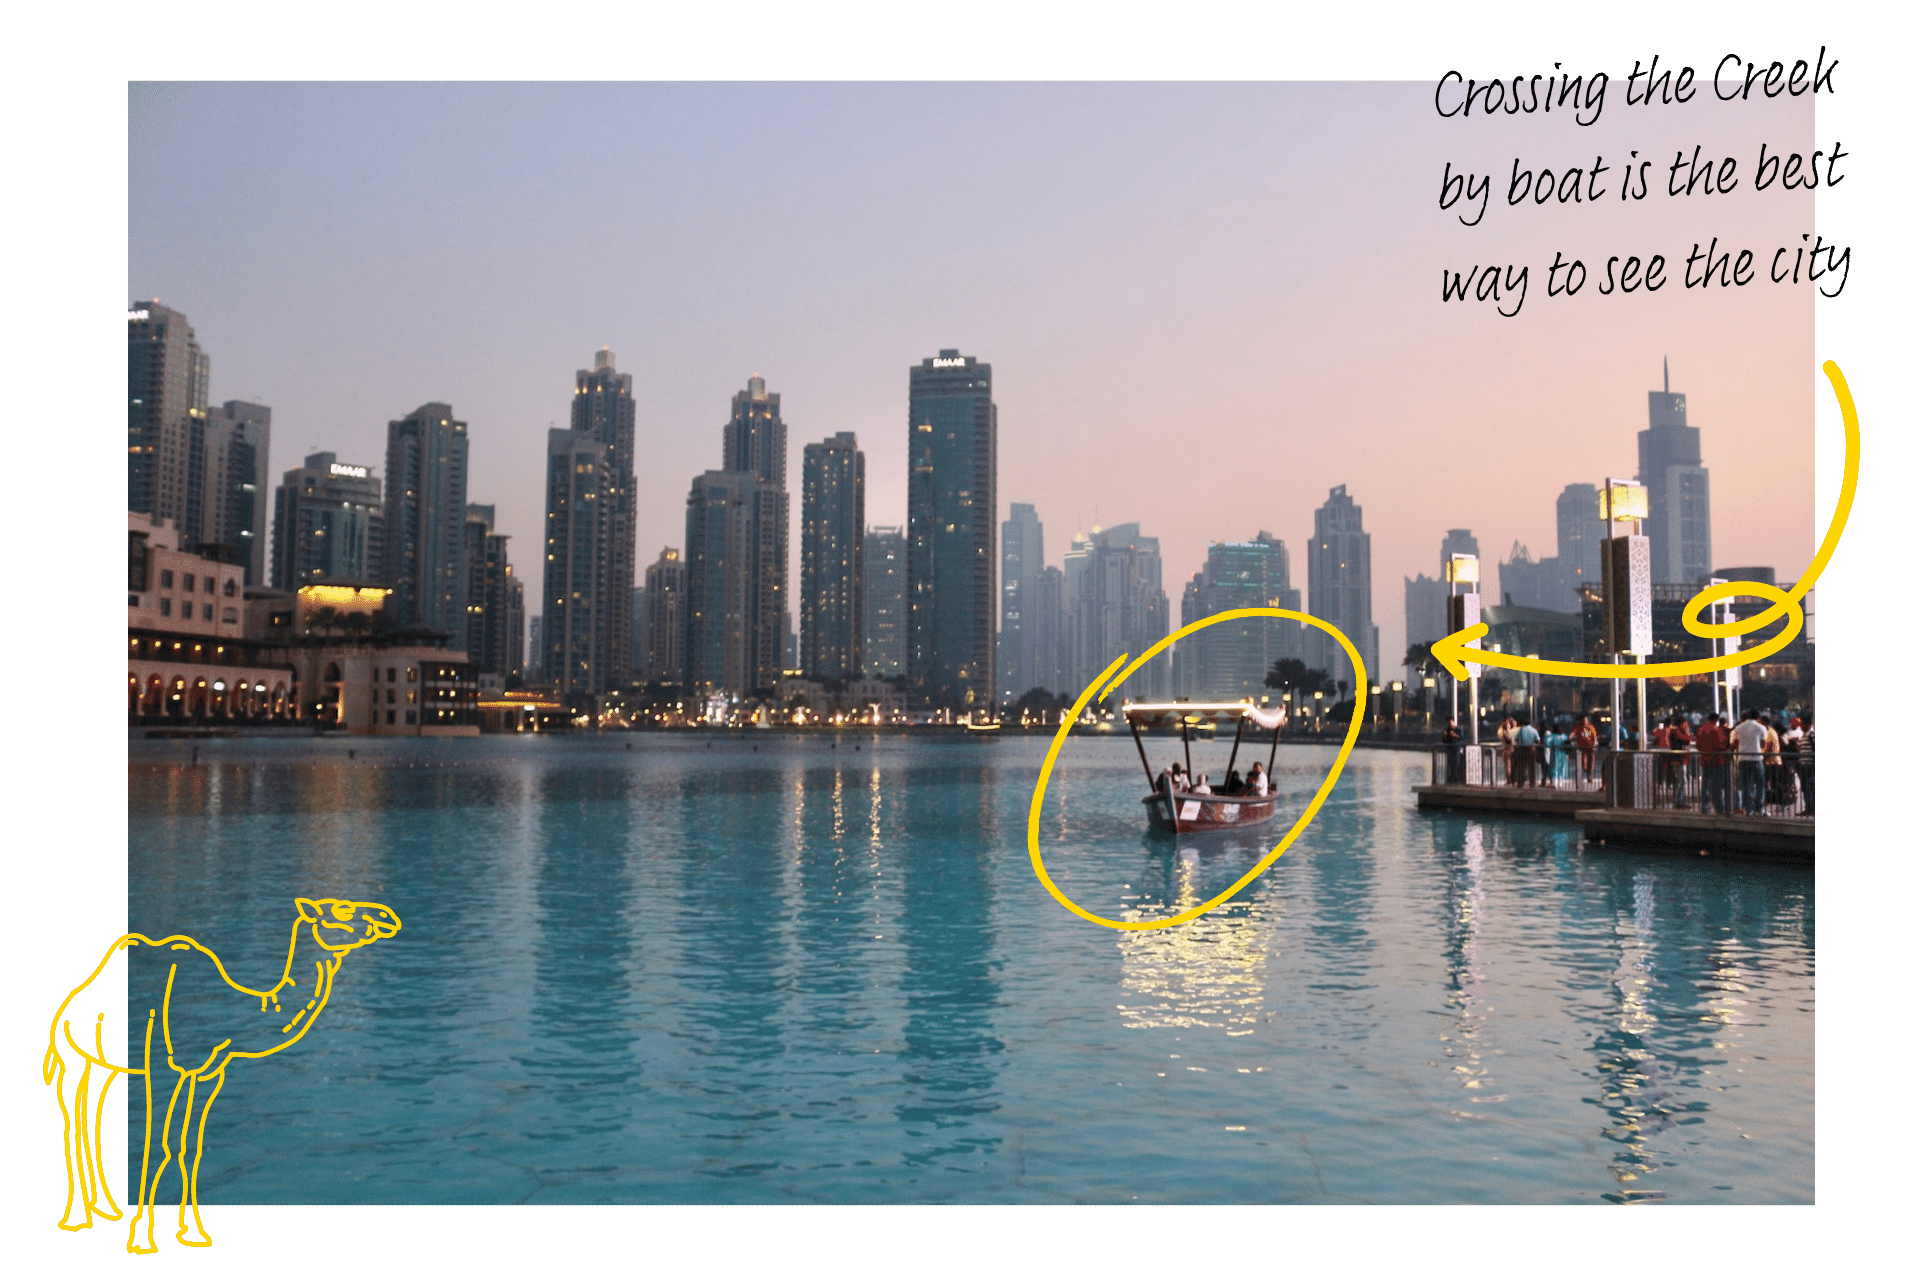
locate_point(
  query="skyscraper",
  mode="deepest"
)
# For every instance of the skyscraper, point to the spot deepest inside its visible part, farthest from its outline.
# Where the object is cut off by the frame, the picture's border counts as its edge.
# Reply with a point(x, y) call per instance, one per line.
point(589, 576)
point(756, 442)
point(1579, 530)
point(426, 518)
point(720, 562)
point(227, 485)
point(1679, 513)
point(952, 462)
point(1231, 659)
point(833, 517)
point(327, 523)
point(494, 617)
point(1044, 612)
point(1022, 555)
point(167, 376)
point(1340, 590)
point(1122, 608)
point(883, 590)
point(1426, 599)
point(665, 635)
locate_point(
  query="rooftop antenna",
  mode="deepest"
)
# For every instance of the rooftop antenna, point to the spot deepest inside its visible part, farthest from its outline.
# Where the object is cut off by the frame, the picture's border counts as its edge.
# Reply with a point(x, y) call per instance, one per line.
point(1666, 379)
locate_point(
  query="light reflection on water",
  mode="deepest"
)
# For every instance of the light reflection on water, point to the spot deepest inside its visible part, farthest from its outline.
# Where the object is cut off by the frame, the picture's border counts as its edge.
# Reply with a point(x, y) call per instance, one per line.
point(763, 969)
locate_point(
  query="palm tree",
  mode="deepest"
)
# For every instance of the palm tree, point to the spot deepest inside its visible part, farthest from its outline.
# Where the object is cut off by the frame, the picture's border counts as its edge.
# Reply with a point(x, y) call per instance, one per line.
point(325, 620)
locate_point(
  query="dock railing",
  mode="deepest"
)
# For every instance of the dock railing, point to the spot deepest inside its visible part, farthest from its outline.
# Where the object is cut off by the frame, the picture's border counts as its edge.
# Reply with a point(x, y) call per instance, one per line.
point(1723, 782)
point(1539, 767)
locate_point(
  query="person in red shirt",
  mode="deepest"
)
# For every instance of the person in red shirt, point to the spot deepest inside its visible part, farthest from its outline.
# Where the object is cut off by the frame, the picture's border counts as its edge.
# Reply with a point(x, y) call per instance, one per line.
point(1712, 741)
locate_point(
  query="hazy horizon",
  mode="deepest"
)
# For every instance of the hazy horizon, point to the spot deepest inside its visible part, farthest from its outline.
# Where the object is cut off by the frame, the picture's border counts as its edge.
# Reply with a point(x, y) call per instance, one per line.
point(1205, 305)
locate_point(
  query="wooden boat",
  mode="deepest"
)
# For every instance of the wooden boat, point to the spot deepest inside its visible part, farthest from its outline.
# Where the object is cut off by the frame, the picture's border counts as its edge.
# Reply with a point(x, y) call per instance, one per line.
point(1180, 812)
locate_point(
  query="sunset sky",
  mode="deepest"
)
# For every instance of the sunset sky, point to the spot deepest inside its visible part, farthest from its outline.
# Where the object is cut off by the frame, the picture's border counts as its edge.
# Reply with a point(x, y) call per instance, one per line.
point(1205, 304)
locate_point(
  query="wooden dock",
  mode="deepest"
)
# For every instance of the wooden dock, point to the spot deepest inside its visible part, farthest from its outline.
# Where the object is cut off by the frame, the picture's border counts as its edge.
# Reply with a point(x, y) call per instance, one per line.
point(1678, 831)
point(1711, 835)
point(1540, 802)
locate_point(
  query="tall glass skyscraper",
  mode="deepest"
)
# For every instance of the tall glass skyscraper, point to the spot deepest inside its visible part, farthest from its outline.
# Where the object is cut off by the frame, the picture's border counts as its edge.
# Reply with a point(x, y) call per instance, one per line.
point(883, 590)
point(1679, 522)
point(495, 603)
point(1119, 606)
point(756, 443)
point(952, 464)
point(720, 559)
point(833, 516)
point(1340, 590)
point(665, 636)
point(1231, 659)
point(327, 523)
point(426, 520)
point(227, 487)
point(587, 587)
point(1023, 554)
point(166, 388)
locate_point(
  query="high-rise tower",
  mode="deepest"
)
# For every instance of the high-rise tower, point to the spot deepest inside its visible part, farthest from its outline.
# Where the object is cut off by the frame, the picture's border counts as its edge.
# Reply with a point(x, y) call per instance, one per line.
point(1023, 554)
point(952, 461)
point(883, 591)
point(1231, 659)
point(587, 587)
point(327, 523)
point(833, 515)
point(1679, 514)
point(426, 520)
point(756, 443)
point(1340, 589)
point(166, 389)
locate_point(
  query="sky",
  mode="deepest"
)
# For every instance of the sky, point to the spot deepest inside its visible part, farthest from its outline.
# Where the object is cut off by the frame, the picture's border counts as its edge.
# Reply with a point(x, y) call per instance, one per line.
point(1205, 305)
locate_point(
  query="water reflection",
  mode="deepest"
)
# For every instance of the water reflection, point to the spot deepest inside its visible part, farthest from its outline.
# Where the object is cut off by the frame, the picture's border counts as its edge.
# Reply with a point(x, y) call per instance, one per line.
point(1211, 972)
point(949, 980)
point(1463, 920)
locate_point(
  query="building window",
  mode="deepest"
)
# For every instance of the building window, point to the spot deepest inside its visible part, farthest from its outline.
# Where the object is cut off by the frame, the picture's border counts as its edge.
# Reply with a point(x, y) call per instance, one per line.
point(228, 589)
point(390, 698)
point(206, 613)
point(412, 674)
point(410, 719)
point(389, 717)
point(166, 579)
point(166, 607)
point(389, 673)
point(186, 582)
point(133, 602)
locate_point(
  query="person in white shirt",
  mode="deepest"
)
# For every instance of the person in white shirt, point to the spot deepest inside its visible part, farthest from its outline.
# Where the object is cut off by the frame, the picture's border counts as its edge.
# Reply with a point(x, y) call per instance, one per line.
point(1257, 780)
point(1749, 736)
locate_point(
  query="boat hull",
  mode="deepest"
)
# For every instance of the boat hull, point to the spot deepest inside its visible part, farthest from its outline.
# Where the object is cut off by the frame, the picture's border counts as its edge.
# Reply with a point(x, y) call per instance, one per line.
point(1183, 812)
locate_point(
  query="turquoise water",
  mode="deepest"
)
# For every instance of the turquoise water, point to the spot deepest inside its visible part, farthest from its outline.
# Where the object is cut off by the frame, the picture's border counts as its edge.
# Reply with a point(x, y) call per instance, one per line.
point(754, 969)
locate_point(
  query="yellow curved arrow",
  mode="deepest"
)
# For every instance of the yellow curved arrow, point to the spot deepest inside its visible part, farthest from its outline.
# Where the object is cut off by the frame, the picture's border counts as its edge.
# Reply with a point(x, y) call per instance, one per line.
point(1454, 651)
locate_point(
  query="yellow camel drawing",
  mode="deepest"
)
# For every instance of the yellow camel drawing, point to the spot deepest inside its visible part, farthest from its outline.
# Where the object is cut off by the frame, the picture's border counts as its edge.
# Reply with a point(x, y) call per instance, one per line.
point(195, 1023)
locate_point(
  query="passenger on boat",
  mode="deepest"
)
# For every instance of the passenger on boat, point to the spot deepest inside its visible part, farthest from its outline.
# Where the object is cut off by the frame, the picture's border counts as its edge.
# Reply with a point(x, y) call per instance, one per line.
point(1257, 780)
point(1233, 786)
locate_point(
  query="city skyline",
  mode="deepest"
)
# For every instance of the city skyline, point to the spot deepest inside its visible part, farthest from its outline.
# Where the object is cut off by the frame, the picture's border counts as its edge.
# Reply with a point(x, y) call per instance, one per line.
point(1219, 327)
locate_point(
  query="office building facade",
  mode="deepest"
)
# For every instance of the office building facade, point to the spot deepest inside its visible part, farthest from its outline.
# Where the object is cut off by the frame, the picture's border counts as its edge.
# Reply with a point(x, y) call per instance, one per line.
point(1023, 555)
point(883, 591)
point(720, 550)
point(167, 377)
point(952, 465)
point(425, 520)
point(1340, 591)
point(587, 579)
point(496, 606)
point(833, 516)
point(328, 522)
point(755, 443)
point(1231, 659)
point(1679, 524)
point(227, 484)
point(665, 606)
point(1119, 606)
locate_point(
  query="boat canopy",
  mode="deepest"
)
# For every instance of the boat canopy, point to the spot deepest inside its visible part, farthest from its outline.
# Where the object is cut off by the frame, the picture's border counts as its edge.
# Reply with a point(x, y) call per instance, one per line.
point(1153, 715)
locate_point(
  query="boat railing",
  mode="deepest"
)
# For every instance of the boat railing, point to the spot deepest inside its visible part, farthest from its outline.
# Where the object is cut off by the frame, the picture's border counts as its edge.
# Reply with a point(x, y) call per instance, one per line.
point(1541, 767)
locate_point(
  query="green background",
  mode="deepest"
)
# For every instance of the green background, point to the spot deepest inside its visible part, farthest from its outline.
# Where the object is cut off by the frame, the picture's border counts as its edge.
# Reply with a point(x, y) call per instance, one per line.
point(66, 755)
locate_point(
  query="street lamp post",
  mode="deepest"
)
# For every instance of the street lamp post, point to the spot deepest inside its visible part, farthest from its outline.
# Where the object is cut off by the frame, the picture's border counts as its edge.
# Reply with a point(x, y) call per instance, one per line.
point(1626, 577)
point(1463, 611)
